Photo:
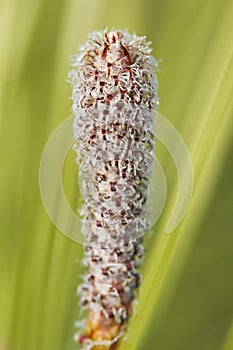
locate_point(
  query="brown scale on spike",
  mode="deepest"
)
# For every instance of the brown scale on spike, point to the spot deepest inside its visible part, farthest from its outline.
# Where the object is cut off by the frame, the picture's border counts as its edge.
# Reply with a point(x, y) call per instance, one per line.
point(114, 102)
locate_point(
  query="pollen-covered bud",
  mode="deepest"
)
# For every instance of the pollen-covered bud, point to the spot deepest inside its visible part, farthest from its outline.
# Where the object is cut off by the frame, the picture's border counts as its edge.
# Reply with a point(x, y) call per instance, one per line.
point(114, 102)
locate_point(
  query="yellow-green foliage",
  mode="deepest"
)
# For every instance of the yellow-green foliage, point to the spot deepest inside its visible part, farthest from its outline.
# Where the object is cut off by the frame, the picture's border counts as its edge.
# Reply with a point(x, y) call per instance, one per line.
point(185, 300)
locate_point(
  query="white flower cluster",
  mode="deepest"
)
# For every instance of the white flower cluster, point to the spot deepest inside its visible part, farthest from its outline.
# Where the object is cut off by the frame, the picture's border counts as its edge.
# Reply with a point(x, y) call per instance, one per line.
point(114, 102)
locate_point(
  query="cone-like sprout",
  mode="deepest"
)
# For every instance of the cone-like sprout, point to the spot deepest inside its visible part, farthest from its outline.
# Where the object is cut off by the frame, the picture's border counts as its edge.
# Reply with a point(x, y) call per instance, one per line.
point(114, 102)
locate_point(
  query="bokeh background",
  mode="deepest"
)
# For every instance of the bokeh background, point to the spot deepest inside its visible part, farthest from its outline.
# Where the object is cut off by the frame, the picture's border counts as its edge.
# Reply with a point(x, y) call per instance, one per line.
point(186, 297)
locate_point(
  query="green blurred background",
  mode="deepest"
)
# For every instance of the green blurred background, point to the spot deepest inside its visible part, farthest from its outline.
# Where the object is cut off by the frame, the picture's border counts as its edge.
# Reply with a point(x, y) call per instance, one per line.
point(186, 298)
